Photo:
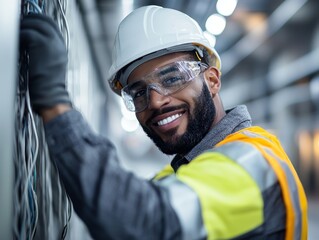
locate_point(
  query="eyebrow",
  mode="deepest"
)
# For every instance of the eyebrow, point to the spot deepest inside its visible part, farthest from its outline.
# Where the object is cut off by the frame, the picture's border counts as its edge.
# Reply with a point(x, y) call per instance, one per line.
point(164, 71)
point(167, 70)
point(136, 84)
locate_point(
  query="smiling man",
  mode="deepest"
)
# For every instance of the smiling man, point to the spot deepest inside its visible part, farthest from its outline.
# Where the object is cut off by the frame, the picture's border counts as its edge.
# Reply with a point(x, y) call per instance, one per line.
point(227, 180)
point(178, 120)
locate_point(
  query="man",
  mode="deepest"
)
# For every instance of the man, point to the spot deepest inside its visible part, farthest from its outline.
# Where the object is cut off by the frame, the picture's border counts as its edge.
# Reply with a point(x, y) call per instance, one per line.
point(228, 180)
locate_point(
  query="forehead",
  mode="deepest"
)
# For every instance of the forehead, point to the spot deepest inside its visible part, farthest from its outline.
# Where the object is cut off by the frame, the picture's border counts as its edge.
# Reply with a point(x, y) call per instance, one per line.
point(149, 66)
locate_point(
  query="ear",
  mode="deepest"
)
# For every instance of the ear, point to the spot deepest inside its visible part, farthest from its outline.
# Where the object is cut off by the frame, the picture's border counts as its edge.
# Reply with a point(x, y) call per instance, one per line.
point(212, 77)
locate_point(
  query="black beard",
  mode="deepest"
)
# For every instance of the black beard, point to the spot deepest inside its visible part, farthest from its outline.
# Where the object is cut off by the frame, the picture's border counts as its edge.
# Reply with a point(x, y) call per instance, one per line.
point(200, 122)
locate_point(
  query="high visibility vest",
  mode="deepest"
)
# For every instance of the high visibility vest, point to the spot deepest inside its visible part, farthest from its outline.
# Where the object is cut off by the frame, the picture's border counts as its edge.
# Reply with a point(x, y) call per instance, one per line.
point(218, 194)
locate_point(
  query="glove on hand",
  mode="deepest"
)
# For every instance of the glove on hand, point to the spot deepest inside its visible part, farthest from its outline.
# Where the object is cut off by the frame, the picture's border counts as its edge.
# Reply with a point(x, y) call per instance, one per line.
point(48, 58)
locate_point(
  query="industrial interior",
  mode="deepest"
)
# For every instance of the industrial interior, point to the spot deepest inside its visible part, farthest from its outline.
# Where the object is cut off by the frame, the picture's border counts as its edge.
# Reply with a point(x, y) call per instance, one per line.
point(270, 63)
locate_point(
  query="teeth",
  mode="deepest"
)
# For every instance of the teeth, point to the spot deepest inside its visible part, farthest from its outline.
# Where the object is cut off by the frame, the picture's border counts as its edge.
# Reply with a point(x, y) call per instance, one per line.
point(169, 119)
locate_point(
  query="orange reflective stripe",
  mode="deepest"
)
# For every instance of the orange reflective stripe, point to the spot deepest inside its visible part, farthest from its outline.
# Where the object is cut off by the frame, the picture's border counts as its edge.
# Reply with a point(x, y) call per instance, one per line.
point(296, 200)
point(262, 140)
point(285, 191)
point(304, 222)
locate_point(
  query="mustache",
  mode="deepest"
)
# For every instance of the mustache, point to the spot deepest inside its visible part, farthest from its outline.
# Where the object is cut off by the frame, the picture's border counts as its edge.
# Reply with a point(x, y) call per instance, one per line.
point(165, 110)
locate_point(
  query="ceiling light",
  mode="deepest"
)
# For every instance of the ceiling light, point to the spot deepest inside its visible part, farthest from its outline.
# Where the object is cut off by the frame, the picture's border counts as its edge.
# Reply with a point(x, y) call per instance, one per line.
point(226, 7)
point(129, 125)
point(215, 24)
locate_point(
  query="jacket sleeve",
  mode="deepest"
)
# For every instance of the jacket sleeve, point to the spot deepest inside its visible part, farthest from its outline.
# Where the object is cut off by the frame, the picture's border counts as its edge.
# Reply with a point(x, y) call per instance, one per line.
point(113, 202)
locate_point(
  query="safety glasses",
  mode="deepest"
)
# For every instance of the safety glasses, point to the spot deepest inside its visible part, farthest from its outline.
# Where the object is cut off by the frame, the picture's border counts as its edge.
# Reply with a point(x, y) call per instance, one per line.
point(166, 80)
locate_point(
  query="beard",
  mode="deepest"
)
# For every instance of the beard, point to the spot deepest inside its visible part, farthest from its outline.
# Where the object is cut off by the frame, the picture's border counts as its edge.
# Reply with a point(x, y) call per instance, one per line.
point(199, 123)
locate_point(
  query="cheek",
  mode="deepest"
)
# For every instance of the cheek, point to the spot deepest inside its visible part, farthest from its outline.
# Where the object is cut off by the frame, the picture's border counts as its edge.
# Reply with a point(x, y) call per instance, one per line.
point(194, 90)
point(197, 89)
point(141, 118)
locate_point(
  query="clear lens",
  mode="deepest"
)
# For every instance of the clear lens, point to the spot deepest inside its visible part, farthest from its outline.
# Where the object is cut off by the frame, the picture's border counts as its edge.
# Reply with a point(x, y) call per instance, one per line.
point(165, 80)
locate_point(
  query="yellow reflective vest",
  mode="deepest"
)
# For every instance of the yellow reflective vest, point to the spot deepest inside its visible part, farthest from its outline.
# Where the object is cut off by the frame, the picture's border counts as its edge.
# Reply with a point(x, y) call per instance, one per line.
point(218, 195)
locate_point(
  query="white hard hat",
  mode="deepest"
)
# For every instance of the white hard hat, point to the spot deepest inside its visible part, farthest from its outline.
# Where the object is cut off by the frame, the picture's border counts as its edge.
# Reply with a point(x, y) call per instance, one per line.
point(152, 31)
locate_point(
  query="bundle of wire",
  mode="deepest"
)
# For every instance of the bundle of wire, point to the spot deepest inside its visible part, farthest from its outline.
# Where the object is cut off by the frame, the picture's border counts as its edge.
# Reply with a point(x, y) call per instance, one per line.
point(42, 209)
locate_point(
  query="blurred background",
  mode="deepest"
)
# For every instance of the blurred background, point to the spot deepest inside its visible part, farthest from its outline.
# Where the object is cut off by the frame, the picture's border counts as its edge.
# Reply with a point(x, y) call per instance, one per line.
point(270, 58)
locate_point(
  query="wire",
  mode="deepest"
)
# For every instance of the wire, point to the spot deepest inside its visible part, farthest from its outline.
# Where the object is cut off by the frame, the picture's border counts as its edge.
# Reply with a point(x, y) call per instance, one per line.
point(33, 6)
point(65, 22)
point(25, 155)
point(57, 9)
point(42, 208)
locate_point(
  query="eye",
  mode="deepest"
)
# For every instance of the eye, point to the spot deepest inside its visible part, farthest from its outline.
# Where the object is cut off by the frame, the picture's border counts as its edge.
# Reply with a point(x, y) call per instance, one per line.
point(172, 81)
point(138, 93)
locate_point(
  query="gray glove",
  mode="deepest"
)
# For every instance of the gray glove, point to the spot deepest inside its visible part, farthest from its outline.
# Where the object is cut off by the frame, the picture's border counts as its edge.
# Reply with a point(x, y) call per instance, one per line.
point(48, 58)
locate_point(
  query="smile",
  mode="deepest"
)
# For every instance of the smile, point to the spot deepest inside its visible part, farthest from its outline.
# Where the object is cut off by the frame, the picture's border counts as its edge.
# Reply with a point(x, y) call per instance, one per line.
point(168, 119)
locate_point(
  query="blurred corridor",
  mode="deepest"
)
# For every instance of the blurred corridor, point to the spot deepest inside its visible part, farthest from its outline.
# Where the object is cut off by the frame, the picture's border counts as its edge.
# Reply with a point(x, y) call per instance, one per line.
point(313, 217)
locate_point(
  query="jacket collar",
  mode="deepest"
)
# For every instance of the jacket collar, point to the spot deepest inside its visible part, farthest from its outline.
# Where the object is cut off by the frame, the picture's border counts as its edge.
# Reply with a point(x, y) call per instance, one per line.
point(235, 119)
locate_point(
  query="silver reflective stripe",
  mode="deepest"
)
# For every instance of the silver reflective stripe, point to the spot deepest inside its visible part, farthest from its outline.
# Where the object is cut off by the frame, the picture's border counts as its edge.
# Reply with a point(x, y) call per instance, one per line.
point(251, 160)
point(293, 189)
point(187, 207)
point(293, 192)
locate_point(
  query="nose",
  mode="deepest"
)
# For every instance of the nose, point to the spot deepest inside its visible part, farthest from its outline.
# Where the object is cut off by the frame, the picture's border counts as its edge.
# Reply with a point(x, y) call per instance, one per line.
point(157, 100)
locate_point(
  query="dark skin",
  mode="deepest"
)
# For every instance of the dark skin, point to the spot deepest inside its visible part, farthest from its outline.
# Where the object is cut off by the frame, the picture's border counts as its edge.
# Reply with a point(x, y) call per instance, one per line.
point(48, 114)
point(150, 117)
point(158, 101)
